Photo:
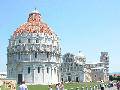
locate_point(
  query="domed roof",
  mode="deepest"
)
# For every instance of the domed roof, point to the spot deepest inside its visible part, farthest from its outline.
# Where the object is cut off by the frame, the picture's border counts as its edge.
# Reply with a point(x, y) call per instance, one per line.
point(81, 55)
point(33, 25)
point(35, 11)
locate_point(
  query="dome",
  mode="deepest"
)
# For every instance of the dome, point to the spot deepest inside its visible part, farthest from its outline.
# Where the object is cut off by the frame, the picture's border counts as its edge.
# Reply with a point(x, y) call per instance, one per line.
point(34, 25)
point(80, 55)
point(80, 58)
point(35, 11)
point(35, 35)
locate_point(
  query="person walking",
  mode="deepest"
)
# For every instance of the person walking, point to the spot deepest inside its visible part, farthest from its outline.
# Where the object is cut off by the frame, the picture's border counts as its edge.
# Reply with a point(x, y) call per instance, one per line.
point(102, 85)
point(61, 86)
point(23, 86)
point(58, 86)
point(118, 85)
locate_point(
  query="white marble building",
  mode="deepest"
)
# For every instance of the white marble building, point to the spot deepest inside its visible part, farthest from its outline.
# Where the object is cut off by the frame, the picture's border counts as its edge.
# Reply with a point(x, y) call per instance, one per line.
point(75, 69)
point(72, 68)
point(33, 53)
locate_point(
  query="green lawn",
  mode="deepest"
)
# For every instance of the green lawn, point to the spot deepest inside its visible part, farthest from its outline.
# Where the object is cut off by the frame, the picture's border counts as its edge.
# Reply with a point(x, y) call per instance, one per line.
point(67, 86)
point(3, 88)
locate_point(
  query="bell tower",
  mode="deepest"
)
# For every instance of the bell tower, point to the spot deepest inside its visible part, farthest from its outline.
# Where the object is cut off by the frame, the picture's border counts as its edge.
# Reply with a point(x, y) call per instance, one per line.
point(104, 58)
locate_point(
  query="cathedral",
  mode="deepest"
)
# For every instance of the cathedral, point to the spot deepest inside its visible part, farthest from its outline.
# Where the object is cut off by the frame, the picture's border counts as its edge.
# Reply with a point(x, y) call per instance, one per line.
point(33, 53)
point(75, 69)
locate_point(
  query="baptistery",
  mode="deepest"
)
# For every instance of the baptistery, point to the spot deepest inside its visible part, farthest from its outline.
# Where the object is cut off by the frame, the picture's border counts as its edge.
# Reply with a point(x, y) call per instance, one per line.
point(34, 52)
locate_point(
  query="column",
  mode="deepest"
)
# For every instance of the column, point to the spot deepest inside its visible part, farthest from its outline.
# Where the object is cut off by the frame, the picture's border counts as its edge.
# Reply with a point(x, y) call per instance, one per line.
point(43, 74)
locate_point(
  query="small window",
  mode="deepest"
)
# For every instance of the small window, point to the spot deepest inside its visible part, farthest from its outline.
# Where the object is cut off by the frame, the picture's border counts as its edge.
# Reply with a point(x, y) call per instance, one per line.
point(95, 75)
point(19, 41)
point(35, 54)
point(47, 70)
point(28, 69)
point(68, 68)
point(37, 41)
point(19, 55)
point(54, 70)
point(61, 69)
point(28, 40)
point(62, 79)
point(47, 54)
point(76, 64)
point(38, 69)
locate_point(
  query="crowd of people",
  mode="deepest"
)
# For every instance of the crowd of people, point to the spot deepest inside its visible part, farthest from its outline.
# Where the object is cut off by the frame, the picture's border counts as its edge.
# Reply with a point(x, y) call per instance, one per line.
point(60, 86)
point(110, 85)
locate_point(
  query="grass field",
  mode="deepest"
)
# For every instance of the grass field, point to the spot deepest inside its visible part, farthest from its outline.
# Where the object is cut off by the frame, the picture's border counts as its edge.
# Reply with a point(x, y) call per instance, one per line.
point(67, 86)
point(3, 88)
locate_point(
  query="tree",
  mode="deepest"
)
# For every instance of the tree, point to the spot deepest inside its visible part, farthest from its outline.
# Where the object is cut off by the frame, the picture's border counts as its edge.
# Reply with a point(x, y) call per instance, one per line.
point(111, 78)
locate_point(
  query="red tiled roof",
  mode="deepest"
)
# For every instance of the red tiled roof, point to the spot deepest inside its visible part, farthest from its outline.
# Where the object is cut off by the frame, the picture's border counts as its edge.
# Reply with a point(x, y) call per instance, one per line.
point(34, 25)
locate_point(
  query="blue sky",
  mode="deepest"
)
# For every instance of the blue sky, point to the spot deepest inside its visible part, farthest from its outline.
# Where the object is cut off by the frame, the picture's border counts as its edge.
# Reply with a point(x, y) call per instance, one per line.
point(91, 26)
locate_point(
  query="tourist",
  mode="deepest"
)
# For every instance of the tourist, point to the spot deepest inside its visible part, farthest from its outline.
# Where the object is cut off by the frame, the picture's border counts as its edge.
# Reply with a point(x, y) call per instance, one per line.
point(102, 85)
point(110, 84)
point(23, 86)
point(118, 85)
point(57, 86)
point(50, 87)
point(61, 86)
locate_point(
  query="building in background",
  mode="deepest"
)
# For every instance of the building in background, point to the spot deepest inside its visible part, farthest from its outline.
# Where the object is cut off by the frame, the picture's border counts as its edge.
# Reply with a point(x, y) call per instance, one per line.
point(76, 69)
point(72, 68)
point(33, 53)
point(3, 75)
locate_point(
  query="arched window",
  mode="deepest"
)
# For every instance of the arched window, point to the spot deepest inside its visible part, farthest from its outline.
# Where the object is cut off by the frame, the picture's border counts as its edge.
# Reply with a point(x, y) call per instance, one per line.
point(38, 69)
point(28, 69)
